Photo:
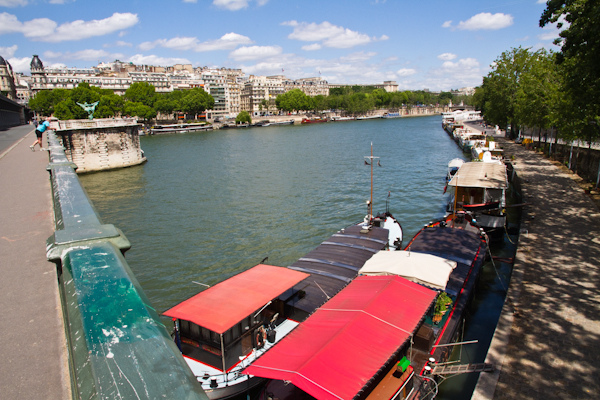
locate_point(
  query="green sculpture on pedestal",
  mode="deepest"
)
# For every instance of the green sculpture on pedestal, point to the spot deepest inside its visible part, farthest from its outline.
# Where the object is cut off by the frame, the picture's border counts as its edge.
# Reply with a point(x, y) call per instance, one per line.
point(89, 108)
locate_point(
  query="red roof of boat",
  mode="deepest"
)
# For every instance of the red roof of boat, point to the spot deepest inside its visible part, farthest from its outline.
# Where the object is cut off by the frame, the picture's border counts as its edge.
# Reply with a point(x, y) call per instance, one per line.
point(220, 307)
point(338, 349)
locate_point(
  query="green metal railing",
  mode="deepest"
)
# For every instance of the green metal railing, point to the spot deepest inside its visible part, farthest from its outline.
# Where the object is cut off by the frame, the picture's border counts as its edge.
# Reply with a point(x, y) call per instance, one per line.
point(118, 348)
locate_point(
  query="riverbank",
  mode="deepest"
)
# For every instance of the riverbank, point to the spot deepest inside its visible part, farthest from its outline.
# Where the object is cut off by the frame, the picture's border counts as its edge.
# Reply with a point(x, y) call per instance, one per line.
point(545, 345)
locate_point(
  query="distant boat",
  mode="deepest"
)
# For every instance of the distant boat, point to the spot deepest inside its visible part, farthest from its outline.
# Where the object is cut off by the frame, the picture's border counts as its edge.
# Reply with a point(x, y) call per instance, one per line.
point(336, 118)
point(453, 166)
point(314, 120)
point(287, 122)
point(392, 115)
point(179, 128)
point(368, 117)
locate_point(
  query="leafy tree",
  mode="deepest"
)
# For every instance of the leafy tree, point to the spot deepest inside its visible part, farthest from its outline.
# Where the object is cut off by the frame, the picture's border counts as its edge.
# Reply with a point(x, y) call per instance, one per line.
point(63, 109)
point(538, 92)
point(580, 51)
point(501, 86)
point(110, 105)
point(141, 92)
point(294, 100)
point(196, 101)
point(243, 117)
point(319, 103)
point(139, 110)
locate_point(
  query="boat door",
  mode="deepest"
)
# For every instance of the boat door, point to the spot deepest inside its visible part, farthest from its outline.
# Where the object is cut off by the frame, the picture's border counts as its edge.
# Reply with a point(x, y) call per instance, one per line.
point(247, 344)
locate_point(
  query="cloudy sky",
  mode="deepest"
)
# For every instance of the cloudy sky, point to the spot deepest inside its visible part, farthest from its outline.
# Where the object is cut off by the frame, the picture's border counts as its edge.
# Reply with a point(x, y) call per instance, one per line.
point(433, 44)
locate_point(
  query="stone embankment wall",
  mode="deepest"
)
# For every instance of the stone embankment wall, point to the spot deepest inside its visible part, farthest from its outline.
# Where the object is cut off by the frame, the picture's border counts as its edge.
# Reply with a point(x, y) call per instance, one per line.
point(102, 146)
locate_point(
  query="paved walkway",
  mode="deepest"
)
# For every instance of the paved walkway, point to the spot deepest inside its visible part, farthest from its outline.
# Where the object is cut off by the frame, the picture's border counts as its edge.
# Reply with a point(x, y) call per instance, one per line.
point(33, 364)
point(547, 344)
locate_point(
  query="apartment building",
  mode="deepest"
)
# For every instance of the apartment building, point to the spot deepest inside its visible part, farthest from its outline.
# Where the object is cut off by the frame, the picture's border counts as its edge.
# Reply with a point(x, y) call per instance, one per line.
point(310, 86)
point(7, 80)
point(259, 93)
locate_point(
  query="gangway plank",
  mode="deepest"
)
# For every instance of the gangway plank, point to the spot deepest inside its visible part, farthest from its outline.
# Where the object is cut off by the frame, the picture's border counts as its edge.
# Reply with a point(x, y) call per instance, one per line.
point(462, 369)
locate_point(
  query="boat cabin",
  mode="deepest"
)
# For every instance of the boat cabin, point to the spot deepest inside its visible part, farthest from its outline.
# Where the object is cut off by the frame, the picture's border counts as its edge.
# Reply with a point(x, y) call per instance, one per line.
point(479, 186)
point(354, 345)
point(227, 326)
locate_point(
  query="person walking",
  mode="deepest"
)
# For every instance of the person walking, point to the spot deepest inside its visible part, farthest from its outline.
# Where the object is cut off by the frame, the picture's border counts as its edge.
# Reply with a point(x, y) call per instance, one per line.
point(39, 131)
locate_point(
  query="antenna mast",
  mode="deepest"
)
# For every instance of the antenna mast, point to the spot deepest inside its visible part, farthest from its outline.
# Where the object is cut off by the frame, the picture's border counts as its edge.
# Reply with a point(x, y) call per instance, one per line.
point(371, 158)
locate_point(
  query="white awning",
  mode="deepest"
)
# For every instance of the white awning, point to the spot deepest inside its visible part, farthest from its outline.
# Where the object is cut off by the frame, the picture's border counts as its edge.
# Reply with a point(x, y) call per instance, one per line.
point(421, 268)
point(481, 175)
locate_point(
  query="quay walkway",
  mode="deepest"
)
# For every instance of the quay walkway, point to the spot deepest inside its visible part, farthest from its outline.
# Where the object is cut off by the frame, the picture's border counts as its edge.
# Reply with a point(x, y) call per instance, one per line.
point(546, 345)
point(34, 362)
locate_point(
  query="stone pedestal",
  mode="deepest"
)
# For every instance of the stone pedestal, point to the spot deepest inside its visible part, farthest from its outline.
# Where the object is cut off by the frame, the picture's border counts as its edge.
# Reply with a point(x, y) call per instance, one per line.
point(100, 144)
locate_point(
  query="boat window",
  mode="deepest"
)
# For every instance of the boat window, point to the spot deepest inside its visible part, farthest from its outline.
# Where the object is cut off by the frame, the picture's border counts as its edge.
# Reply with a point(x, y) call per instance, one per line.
point(194, 331)
point(228, 337)
point(214, 336)
point(184, 327)
point(205, 334)
point(237, 331)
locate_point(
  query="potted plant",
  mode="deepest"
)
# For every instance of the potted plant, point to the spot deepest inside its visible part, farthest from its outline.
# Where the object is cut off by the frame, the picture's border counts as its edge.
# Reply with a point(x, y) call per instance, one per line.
point(441, 306)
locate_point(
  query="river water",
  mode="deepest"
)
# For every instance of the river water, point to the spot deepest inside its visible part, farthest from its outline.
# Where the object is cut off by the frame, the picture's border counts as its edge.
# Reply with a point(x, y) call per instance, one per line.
point(208, 205)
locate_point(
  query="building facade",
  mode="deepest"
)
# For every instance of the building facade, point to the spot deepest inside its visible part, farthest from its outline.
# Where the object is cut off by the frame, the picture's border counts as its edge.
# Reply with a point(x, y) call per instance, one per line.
point(7, 80)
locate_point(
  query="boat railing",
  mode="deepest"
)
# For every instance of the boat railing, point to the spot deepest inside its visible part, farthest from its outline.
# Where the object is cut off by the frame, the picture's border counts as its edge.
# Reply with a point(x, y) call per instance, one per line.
point(115, 338)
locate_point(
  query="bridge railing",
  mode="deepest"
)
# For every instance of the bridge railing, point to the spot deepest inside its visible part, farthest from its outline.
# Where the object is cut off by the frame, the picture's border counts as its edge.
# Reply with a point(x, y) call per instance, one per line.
point(118, 347)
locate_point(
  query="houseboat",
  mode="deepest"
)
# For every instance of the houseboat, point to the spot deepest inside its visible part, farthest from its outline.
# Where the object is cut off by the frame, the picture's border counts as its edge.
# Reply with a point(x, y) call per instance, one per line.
point(488, 153)
point(179, 128)
point(374, 339)
point(479, 189)
point(467, 141)
point(313, 120)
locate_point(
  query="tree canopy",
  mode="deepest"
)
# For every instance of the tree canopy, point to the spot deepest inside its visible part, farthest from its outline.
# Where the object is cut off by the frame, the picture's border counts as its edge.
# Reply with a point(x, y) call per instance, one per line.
point(545, 90)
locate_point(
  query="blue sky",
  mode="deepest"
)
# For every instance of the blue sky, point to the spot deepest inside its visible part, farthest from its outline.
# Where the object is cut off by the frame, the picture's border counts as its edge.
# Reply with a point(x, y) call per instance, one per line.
point(433, 44)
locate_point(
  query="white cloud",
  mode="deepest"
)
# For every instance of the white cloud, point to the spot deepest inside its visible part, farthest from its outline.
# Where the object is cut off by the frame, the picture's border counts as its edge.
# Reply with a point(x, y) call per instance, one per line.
point(312, 47)
point(20, 64)
point(406, 72)
point(463, 72)
point(46, 30)
point(13, 3)
point(228, 41)
point(156, 60)
point(464, 64)
point(9, 24)
point(190, 1)
point(254, 52)
point(8, 52)
point(231, 5)
point(486, 21)
point(328, 34)
point(447, 24)
point(358, 56)
point(447, 56)
point(90, 55)
point(235, 5)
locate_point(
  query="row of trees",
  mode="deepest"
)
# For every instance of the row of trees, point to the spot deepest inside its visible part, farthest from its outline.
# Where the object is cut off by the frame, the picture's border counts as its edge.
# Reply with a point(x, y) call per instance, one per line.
point(361, 99)
point(547, 90)
point(140, 100)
